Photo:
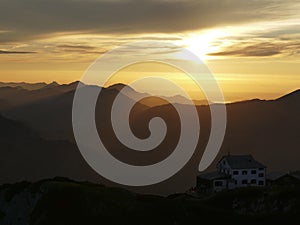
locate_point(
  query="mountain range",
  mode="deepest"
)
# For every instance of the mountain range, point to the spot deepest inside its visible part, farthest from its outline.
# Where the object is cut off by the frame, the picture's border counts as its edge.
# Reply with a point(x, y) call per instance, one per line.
point(37, 139)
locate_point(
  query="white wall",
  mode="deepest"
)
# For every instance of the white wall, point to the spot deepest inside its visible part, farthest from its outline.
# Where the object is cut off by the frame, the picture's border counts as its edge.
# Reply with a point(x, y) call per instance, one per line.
point(249, 176)
point(224, 167)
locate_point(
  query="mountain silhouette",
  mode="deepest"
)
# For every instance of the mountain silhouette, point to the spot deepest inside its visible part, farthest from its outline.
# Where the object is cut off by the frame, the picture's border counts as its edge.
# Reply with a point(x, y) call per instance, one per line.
point(292, 98)
point(26, 156)
point(14, 97)
point(267, 129)
point(27, 86)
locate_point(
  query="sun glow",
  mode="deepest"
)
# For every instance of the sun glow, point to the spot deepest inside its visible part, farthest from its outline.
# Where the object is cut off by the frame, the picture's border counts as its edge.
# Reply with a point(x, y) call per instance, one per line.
point(205, 43)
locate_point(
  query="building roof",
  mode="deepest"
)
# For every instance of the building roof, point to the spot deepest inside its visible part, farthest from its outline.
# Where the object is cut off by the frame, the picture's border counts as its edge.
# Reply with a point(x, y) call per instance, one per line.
point(277, 175)
point(242, 162)
point(296, 174)
point(213, 176)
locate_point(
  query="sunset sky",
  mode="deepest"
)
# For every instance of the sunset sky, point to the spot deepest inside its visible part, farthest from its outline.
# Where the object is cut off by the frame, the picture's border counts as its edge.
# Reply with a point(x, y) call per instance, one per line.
point(251, 46)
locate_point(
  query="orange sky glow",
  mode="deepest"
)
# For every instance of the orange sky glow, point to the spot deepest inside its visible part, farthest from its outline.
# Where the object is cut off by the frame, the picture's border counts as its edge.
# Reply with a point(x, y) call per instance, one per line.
point(257, 56)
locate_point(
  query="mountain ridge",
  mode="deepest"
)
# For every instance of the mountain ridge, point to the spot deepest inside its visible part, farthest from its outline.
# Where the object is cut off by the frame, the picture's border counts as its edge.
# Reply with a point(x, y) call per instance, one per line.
point(119, 86)
point(266, 129)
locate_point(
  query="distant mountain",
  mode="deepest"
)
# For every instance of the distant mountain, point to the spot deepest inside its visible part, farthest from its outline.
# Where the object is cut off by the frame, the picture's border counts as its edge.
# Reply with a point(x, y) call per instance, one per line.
point(15, 131)
point(49, 109)
point(25, 155)
point(152, 101)
point(269, 130)
point(120, 86)
point(12, 97)
point(27, 86)
point(52, 85)
point(266, 129)
point(292, 98)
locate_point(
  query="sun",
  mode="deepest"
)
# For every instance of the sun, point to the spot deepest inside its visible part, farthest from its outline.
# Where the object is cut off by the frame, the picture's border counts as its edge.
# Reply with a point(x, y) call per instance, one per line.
point(204, 43)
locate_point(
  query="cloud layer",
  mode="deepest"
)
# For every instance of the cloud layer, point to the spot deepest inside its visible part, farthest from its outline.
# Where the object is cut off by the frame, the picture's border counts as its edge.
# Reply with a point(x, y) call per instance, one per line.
point(2, 52)
point(30, 19)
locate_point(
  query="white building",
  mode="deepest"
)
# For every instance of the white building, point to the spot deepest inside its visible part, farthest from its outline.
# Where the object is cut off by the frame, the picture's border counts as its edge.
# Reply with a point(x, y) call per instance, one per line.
point(233, 171)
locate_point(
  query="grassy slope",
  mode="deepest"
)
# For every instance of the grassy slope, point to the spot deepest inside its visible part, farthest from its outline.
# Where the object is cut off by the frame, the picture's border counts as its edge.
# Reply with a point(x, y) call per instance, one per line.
point(69, 202)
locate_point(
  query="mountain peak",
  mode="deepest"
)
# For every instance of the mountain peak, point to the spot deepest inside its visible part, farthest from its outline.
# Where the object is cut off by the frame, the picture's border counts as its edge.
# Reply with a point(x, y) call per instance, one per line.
point(73, 84)
point(119, 86)
point(53, 83)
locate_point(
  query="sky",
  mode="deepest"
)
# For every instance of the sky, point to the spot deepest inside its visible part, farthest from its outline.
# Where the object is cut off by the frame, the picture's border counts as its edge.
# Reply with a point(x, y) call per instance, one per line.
point(252, 47)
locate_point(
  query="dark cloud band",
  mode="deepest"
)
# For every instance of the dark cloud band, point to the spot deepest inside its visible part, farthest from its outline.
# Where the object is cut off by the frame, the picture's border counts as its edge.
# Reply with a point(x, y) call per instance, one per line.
point(260, 49)
point(14, 52)
point(30, 19)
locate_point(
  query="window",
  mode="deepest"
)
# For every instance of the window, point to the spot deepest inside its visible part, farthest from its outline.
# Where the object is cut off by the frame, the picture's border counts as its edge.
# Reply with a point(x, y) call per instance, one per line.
point(244, 172)
point(253, 171)
point(244, 182)
point(261, 168)
point(235, 182)
point(261, 175)
point(253, 181)
point(235, 172)
point(218, 183)
point(260, 182)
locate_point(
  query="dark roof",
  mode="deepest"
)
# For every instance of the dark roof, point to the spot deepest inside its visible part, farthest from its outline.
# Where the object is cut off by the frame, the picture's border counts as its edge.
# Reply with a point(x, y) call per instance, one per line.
point(275, 175)
point(296, 174)
point(242, 162)
point(213, 175)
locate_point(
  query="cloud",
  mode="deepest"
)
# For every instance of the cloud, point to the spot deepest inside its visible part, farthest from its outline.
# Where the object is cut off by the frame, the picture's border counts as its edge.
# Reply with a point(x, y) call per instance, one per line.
point(261, 49)
point(15, 52)
point(32, 19)
point(80, 47)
